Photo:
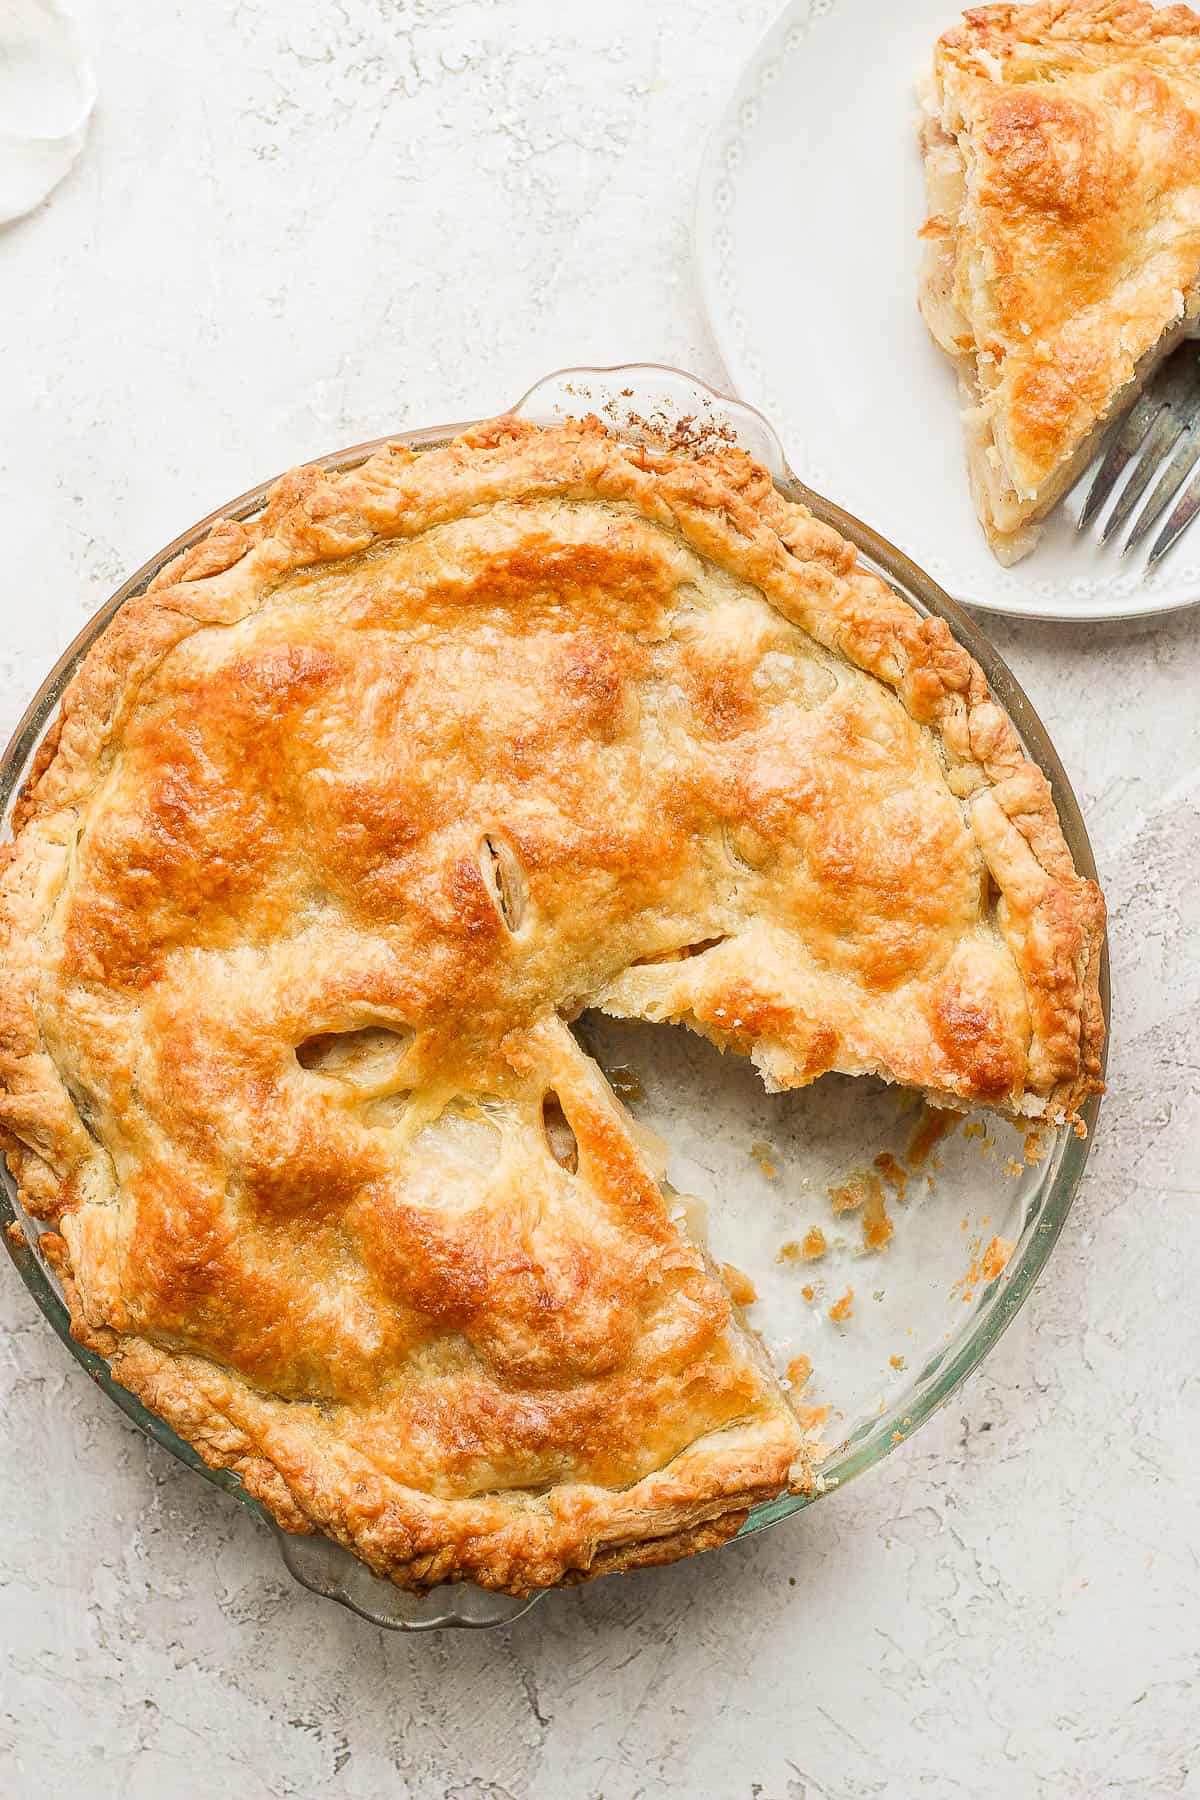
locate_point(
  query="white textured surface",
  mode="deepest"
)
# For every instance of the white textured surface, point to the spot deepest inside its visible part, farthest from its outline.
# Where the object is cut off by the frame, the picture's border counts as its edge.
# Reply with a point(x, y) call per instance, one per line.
point(296, 226)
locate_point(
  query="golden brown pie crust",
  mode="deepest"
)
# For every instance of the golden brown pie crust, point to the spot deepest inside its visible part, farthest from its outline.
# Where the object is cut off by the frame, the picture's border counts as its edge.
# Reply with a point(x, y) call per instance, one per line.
point(1062, 156)
point(342, 820)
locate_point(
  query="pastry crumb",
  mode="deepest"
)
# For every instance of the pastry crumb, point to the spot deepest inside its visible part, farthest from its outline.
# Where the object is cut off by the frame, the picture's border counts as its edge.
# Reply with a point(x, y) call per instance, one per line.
point(850, 1194)
point(810, 1249)
point(995, 1258)
point(878, 1228)
point(799, 1370)
point(763, 1154)
point(863, 1192)
point(811, 1417)
point(897, 1362)
point(809, 1292)
point(932, 1127)
point(742, 1290)
point(985, 1265)
point(14, 1231)
point(842, 1309)
point(892, 1172)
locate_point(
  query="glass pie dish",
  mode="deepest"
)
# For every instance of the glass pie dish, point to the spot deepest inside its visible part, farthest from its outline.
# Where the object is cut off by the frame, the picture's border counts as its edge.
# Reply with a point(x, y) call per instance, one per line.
point(930, 1301)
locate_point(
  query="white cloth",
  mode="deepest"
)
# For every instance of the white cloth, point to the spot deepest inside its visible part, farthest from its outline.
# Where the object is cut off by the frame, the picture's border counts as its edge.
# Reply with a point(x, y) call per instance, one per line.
point(47, 91)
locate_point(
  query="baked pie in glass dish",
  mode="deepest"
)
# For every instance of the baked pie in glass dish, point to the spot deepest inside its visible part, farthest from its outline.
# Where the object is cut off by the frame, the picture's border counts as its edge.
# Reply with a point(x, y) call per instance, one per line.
point(347, 815)
point(1062, 163)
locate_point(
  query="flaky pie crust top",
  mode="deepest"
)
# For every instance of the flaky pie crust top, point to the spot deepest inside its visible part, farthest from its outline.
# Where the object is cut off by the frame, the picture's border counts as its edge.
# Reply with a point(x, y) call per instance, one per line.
point(344, 821)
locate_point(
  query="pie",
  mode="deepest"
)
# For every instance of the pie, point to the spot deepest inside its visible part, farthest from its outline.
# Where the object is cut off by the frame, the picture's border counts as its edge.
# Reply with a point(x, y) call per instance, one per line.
point(1062, 163)
point(344, 821)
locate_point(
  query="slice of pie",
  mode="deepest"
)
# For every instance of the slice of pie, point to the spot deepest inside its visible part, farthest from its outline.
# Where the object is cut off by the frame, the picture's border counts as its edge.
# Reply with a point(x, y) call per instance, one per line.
point(1062, 162)
point(344, 821)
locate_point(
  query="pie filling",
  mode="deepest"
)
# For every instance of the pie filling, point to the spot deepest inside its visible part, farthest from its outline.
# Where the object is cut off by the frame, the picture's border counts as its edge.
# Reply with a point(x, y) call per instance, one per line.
point(345, 820)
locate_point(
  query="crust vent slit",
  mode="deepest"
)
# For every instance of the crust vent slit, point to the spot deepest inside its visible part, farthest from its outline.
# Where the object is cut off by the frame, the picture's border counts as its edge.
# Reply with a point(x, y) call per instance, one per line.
point(745, 848)
point(85, 1107)
point(367, 1057)
point(504, 879)
point(564, 1145)
point(682, 954)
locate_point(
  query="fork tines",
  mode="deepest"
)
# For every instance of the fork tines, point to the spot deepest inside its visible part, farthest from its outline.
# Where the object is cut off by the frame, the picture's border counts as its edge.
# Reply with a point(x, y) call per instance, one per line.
point(1160, 436)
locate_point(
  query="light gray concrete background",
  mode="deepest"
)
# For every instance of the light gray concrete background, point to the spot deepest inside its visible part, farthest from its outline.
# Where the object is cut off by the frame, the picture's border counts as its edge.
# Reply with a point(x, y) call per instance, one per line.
point(298, 225)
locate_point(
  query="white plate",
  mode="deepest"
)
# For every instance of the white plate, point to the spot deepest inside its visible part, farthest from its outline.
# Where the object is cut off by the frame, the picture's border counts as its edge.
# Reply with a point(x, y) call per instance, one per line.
point(810, 200)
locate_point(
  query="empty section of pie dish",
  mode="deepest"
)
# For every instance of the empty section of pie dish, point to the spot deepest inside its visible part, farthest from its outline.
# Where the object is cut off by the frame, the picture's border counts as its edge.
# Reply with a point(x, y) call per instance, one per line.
point(926, 1303)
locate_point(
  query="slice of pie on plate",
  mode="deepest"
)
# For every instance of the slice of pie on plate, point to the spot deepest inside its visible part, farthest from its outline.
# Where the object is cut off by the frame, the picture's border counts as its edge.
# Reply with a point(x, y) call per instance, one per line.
point(1062, 162)
point(344, 821)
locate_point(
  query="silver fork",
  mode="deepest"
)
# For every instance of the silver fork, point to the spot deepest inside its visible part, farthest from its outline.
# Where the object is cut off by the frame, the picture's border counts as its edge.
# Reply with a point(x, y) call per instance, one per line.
point(1160, 436)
